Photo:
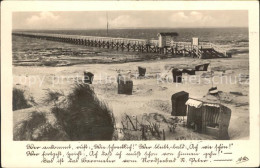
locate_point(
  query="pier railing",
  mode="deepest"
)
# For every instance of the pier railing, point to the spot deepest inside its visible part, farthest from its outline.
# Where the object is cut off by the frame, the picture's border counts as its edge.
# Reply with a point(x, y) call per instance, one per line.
point(140, 45)
point(113, 39)
point(94, 38)
point(218, 48)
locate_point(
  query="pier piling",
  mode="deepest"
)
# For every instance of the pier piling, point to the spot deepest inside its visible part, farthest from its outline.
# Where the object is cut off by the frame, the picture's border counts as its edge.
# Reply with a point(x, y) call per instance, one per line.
point(202, 50)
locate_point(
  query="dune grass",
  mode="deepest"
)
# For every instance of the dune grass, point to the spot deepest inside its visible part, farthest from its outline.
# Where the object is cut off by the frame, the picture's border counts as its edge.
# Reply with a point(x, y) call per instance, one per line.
point(78, 116)
point(36, 127)
point(83, 116)
point(19, 100)
point(24, 129)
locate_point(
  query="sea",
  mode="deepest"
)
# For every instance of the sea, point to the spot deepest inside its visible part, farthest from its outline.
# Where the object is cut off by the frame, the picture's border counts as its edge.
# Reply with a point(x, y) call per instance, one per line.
point(36, 52)
point(215, 35)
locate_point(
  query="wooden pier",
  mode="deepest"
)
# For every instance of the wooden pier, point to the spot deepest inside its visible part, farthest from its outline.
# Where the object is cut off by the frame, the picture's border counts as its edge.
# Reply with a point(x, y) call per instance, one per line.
point(202, 50)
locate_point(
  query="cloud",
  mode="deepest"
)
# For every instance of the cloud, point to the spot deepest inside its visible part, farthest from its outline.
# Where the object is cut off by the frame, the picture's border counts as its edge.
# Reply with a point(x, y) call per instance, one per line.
point(43, 16)
point(43, 19)
point(180, 18)
point(125, 21)
point(128, 19)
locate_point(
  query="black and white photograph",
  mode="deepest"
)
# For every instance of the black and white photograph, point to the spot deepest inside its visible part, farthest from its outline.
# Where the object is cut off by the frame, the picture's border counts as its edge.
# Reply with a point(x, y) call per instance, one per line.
point(130, 75)
point(130, 84)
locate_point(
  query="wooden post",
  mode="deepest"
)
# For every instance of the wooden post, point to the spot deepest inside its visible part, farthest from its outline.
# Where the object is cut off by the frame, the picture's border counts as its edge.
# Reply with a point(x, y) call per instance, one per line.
point(184, 51)
point(203, 128)
point(131, 122)
point(117, 45)
point(165, 50)
point(140, 47)
point(128, 45)
point(112, 45)
point(122, 46)
point(163, 135)
point(136, 122)
point(123, 124)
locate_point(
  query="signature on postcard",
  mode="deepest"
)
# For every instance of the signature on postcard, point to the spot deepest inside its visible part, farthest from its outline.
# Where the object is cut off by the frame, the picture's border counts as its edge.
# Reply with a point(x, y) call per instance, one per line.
point(242, 159)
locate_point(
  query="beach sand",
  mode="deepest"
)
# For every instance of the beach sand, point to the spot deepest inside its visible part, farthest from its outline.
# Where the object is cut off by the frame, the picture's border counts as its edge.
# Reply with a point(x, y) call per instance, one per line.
point(151, 94)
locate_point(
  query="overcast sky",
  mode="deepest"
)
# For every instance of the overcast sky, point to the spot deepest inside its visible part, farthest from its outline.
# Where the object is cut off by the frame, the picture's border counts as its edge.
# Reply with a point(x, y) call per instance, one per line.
point(129, 19)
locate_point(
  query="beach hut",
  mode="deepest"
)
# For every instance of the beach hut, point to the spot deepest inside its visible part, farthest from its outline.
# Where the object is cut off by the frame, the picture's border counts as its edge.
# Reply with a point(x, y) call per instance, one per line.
point(202, 67)
point(88, 77)
point(165, 39)
point(189, 71)
point(208, 117)
point(195, 41)
point(125, 85)
point(141, 71)
point(178, 103)
point(177, 75)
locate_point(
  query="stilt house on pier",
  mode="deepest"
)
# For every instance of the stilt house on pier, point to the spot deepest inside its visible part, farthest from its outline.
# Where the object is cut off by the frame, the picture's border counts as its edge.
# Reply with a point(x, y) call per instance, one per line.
point(166, 39)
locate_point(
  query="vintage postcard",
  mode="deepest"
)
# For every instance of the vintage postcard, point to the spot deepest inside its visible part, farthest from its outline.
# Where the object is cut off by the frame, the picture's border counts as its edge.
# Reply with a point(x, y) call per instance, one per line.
point(130, 84)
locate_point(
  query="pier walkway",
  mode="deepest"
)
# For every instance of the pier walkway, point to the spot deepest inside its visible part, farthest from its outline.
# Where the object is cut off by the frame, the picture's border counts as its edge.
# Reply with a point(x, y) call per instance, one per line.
point(203, 50)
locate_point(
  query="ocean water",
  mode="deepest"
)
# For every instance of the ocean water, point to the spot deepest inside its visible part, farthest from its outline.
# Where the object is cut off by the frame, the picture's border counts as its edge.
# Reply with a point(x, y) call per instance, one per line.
point(31, 51)
point(215, 35)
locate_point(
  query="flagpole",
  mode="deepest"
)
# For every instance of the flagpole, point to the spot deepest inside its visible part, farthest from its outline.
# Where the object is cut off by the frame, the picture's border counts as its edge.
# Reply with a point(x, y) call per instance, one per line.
point(107, 23)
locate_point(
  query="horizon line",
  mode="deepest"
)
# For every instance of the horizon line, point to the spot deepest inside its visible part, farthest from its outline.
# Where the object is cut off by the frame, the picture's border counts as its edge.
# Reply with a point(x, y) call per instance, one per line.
point(132, 28)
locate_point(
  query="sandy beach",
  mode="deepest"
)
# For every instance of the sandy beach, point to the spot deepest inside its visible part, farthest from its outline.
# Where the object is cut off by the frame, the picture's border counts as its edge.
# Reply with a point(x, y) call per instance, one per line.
point(151, 94)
